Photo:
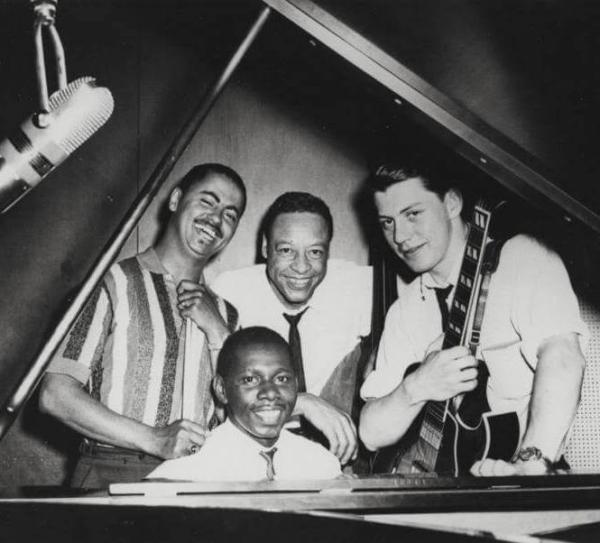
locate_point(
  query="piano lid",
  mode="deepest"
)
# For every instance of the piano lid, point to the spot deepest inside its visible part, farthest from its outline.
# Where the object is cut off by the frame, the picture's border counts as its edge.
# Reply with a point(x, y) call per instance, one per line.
point(510, 85)
point(507, 84)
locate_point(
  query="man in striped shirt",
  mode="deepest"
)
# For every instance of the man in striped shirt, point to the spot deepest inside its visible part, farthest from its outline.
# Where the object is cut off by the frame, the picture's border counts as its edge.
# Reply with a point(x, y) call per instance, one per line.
point(118, 377)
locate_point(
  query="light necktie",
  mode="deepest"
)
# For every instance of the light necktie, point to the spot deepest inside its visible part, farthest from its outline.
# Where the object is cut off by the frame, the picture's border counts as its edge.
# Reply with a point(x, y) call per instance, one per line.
point(268, 456)
point(296, 348)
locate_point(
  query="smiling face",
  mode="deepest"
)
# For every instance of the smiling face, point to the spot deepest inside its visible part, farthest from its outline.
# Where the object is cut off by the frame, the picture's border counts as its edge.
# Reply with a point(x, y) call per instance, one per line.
point(420, 226)
point(259, 390)
point(206, 216)
point(296, 251)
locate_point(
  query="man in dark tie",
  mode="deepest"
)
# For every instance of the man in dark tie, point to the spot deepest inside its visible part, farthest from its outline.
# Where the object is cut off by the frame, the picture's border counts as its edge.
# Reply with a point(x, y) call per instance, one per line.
point(530, 340)
point(321, 305)
point(256, 383)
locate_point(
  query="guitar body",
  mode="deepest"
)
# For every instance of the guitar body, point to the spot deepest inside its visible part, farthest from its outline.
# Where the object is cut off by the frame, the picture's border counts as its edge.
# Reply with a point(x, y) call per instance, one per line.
point(470, 434)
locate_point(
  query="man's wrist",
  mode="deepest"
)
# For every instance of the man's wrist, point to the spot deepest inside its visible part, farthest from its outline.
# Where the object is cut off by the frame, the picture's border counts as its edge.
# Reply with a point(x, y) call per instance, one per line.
point(149, 441)
point(532, 455)
point(411, 389)
point(216, 338)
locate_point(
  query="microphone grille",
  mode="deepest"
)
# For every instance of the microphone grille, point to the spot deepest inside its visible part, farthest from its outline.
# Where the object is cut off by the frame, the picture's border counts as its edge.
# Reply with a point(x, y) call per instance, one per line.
point(78, 111)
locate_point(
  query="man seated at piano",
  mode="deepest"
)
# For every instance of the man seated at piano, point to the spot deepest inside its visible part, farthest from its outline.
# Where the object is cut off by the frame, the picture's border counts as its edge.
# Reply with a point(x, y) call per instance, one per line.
point(256, 383)
point(531, 343)
point(321, 305)
point(117, 378)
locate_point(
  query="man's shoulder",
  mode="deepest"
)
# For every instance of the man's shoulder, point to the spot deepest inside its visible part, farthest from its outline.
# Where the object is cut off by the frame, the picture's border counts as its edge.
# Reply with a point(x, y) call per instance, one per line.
point(304, 445)
point(526, 250)
point(526, 242)
point(341, 270)
point(241, 278)
point(311, 460)
point(345, 277)
point(408, 294)
point(140, 261)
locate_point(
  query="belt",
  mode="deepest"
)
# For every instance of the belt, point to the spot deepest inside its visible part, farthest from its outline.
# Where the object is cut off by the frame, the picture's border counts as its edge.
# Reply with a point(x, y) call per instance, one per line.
point(90, 447)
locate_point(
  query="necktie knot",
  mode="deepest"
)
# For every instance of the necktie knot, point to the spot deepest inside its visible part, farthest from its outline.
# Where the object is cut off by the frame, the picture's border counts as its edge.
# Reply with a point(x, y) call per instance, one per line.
point(294, 318)
point(268, 456)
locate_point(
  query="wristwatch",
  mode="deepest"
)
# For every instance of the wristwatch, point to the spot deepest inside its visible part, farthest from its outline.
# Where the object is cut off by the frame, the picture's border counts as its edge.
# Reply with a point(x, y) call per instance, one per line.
point(528, 454)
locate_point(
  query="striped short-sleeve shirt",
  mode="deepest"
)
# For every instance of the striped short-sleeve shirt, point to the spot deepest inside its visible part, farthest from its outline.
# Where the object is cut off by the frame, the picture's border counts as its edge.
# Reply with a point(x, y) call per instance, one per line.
point(127, 346)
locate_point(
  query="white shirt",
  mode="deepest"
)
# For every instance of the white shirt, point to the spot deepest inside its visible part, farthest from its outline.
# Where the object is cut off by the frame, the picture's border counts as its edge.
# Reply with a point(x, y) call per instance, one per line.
point(530, 299)
point(229, 454)
point(338, 314)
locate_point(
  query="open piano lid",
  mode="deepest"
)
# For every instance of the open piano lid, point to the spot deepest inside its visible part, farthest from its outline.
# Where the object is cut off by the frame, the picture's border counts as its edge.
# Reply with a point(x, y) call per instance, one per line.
point(507, 84)
point(510, 85)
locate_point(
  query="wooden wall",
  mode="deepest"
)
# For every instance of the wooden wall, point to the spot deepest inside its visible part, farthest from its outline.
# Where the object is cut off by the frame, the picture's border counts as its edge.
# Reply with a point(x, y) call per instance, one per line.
point(157, 65)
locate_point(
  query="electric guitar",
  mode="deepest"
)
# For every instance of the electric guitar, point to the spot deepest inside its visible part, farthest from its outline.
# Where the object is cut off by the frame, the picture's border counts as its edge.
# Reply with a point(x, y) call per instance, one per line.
point(445, 438)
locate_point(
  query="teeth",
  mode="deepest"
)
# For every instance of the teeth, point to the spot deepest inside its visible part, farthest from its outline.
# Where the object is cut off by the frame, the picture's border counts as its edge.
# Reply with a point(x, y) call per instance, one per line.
point(299, 282)
point(206, 230)
point(269, 416)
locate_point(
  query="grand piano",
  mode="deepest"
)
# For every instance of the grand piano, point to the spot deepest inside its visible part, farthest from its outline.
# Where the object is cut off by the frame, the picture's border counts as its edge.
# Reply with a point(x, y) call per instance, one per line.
point(295, 94)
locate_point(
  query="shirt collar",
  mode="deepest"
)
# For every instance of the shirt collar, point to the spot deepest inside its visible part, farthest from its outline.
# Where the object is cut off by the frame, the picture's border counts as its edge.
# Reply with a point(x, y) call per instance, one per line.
point(242, 438)
point(149, 260)
point(428, 281)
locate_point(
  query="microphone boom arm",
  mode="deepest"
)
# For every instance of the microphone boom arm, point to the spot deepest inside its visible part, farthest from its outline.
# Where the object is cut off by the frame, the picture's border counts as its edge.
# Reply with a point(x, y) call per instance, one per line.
point(45, 14)
point(10, 410)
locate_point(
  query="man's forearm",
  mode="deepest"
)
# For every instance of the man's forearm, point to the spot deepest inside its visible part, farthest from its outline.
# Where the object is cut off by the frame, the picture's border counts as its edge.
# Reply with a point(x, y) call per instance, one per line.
point(383, 421)
point(64, 398)
point(555, 396)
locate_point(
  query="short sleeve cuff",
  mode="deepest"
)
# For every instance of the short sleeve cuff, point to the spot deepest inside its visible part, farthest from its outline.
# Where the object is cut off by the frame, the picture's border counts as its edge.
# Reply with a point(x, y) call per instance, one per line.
point(69, 367)
point(378, 384)
point(530, 346)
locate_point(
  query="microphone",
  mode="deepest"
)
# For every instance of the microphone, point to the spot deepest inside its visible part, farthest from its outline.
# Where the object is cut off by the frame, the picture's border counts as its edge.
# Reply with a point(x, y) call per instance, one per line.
point(46, 139)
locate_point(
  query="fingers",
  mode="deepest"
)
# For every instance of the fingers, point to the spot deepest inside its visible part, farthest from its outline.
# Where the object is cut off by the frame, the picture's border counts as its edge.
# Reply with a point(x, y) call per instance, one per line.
point(188, 296)
point(343, 441)
point(454, 353)
point(336, 425)
point(186, 437)
point(492, 468)
point(196, 434)
point(468, 374)
point(188, 286)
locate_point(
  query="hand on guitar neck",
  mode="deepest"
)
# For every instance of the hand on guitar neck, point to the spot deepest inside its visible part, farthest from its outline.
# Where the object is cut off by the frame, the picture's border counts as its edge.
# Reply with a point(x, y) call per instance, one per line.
point(442, 376)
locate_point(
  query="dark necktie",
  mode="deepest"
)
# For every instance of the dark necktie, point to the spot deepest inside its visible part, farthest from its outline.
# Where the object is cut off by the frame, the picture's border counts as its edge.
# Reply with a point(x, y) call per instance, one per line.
point(442, 295)
point(296, 348)
point(268, 456)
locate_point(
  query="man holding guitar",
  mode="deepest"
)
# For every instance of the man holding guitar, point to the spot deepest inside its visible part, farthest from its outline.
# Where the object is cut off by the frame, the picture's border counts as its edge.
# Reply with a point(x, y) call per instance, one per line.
point(530, 340)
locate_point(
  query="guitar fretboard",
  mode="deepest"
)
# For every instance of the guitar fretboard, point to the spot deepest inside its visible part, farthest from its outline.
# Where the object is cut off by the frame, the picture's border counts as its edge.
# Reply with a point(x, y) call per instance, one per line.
point(432, 428)
point(467, 279)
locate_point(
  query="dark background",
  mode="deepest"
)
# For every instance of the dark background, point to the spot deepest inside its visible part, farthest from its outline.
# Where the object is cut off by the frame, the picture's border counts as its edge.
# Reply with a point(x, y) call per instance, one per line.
point(295, 115)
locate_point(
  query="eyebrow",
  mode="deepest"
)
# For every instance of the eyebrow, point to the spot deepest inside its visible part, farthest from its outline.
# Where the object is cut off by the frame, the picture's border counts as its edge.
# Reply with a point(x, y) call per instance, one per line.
point(405, 209)
point(216, 197)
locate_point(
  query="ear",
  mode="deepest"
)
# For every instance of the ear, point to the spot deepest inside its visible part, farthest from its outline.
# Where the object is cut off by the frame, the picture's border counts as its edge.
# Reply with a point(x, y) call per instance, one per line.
point(263, 247)
point(219, 389)
point(453, 201)
point(174, 199)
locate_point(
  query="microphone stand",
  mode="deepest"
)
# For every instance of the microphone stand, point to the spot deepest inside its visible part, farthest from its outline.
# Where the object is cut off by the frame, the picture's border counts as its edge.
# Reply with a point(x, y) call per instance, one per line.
point(147, 194)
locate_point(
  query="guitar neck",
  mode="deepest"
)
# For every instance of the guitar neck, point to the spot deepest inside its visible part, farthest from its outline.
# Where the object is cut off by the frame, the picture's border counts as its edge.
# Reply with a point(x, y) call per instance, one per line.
point(457, 333)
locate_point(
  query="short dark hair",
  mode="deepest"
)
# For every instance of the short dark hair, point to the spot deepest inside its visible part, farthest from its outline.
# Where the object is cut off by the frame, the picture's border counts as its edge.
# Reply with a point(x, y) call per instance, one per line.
point(244, 338)
point(296, 202)
point(432, 176)
point(201, 171)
